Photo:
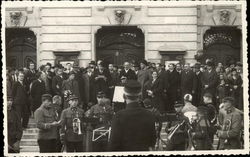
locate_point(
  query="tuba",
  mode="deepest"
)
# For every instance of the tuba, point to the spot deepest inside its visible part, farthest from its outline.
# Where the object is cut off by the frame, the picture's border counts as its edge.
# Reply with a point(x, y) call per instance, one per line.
point(76, 122)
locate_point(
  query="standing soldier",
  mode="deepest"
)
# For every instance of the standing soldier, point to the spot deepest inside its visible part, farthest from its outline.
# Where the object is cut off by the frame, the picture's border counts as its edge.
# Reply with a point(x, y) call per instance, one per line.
point(230, 120)
point(14, 128)
point(179, 136)
point(71, 133)
point(45, 118)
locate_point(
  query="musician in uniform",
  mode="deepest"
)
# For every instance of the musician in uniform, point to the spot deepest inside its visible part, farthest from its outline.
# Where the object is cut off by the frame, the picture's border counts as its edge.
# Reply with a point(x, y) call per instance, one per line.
point(179, 137)
point(103, 112)
point(14, 128)
point(133, 129)
point(71, 133)
point(230, 120)
point(47, 124)
point(198, 131)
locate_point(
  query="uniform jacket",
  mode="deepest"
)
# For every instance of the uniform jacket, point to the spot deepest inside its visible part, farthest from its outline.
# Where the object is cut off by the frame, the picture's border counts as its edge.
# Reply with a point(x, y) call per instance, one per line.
point(197, 89)
point(233, 134)
point(133, 129)
point(67, 117)
point(130, 75)
point(200, 135)
point(37, 90)
point(44, 116)
point(57, 85)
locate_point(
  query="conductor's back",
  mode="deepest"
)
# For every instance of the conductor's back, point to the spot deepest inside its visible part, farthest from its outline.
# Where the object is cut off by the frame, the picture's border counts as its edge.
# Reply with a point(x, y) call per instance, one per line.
point(133, 129)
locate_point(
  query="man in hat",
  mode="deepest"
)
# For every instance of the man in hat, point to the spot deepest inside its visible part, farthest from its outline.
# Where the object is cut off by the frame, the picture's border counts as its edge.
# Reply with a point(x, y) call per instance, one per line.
point(209, 80)
point(71, 85)
point(102, 78)
point(71, 132)
point(230, 121)
point(57, 82)
point(133, 129)
point(144, 76)
point(14, 125)
point(198, 87)
point(179, 138)
point(173, 87)
point(46, 121)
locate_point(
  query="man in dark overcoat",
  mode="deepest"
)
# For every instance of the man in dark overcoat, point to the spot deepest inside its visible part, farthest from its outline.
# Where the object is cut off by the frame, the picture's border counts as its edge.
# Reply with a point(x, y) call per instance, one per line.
point(133, 129)
point(36, 92)
point(209, 80)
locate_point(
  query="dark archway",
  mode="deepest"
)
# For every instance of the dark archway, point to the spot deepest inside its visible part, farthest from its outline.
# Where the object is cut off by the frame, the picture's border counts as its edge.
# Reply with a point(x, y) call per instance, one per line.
point(117, 44)
point(222, 44)
point(20, 47)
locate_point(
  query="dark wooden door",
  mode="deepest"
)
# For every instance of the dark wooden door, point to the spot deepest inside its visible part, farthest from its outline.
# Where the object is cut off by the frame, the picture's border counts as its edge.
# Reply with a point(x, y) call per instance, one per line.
point(20, 47)
point(222, 53)
point(119, 44)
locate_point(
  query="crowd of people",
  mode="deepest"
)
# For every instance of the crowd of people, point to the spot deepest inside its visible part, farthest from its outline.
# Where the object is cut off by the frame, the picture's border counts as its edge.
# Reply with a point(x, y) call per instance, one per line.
point(60, 98)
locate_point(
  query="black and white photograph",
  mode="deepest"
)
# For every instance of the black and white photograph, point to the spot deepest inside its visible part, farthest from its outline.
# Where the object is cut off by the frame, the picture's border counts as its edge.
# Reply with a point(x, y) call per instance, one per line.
point(124, 78)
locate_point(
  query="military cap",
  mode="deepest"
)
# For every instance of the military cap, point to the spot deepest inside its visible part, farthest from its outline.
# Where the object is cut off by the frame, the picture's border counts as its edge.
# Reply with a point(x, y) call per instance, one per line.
point(92, 63)
point(100, 94)
point(123, 77)
point(46, 97)
point(208, 95)
point(178, 104)
point(132, 88)
point(144, 62)
point(72, 97)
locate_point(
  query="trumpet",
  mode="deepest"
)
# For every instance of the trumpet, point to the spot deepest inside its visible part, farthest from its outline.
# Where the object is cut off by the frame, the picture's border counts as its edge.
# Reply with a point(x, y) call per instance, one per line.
point(77, 126)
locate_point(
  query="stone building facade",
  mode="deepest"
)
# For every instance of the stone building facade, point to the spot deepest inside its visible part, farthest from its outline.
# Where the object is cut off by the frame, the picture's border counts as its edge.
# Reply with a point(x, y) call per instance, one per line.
point(118, 33)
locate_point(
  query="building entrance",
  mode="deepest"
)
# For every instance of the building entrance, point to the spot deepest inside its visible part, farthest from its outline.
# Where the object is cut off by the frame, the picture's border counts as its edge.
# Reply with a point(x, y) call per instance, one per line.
point(118, 44)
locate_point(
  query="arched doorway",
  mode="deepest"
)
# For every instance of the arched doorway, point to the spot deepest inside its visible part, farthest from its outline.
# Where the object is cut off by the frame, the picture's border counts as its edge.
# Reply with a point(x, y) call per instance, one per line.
point(20, 47)
point(117, 44)
point(222, 44)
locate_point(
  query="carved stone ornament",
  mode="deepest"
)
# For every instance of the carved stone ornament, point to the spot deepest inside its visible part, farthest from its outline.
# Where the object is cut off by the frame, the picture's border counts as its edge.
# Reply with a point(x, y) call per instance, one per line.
point(224, 16)
point(15, 18)
point(119, 16)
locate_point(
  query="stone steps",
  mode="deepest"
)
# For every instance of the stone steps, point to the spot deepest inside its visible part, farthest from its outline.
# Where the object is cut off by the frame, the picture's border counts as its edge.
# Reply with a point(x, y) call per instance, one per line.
point(29, 139)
